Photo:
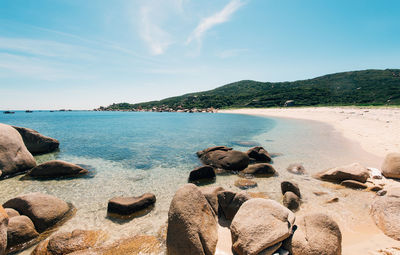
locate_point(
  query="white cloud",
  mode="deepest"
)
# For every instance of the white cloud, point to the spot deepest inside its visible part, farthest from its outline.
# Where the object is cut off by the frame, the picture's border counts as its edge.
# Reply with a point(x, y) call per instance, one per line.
point(157, 39)
point(217, 18)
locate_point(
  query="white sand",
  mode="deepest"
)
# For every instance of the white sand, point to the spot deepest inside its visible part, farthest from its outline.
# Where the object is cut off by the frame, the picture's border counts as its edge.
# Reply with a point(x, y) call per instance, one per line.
point(377, 130)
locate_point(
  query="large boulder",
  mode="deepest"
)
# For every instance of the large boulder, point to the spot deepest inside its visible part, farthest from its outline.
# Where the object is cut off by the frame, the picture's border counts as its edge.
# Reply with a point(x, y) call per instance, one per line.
point(3, 230)
point(202, 173)
point(36, 142)
point(224, 158)
point(385, 212)
point(391, 165)
point(192, 225)
point(14, 156)
point(130, 205)
point(259, 154)
point(20, 230)
point(354, 171)
point(230, 202)
point(69, 242)
point(260, 226)
point(315, 234)
point(56, 168)
point(260, 169)
point(44, 210)
point(211, 194)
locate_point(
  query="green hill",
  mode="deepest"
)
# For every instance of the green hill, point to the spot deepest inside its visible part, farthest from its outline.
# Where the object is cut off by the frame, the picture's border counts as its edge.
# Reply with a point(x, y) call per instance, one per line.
point(367, 87)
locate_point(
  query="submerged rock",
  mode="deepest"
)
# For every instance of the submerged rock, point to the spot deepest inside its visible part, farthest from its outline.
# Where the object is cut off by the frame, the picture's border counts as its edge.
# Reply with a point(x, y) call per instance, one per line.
point(56, 168)
point(3, 230)
point(224, 158)
point(192, 225)
point(296, 169)
point(20, 230)
point(36, 142)
point(391, 165)
point(260, 226)
point(260, 169)
point(14, 156)
point(69, 242)
point(245, 183)
point(315, 234)
point(130, 205)
point(259, 154)
point(202, 173)
point(44, 210)
point(354, 171)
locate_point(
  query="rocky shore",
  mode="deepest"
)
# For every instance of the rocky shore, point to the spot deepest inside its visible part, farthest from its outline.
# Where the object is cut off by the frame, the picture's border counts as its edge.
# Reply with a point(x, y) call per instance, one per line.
point(202, 218)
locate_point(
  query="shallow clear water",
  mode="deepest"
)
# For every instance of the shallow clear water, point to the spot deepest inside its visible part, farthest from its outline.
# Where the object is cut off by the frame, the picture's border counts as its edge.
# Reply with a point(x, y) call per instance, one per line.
point(134, 153)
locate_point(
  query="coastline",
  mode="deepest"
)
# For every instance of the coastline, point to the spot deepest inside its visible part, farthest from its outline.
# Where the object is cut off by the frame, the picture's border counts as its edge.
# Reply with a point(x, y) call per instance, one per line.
point(375, 129)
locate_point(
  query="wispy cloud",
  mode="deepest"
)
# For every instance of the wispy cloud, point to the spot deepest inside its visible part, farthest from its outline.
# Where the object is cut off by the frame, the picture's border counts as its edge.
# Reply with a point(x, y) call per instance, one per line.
point(152, 14)
point(215, 19)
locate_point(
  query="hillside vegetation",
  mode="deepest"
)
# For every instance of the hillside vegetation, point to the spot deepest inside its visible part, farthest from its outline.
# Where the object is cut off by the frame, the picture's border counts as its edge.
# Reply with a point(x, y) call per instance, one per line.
point(368, 87)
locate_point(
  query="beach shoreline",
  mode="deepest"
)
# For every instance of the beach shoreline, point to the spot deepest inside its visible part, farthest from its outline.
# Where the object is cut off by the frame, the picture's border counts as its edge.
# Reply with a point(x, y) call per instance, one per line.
point(375, 129)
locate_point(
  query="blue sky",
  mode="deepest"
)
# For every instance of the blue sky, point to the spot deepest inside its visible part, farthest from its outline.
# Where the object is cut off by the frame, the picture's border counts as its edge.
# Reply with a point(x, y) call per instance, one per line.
point(82, 54)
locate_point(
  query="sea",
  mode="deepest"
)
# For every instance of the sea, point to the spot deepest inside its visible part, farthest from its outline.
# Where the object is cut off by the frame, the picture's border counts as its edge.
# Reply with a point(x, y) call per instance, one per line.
point(131, 153)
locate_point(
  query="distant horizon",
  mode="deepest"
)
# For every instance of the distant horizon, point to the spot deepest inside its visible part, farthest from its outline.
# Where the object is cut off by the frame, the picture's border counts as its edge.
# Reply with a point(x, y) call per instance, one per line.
point(82, 55)
point(83, 109)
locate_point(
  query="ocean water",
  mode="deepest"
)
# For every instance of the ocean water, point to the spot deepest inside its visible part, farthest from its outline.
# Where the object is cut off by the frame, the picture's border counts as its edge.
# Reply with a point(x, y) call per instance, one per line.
point(132, 153)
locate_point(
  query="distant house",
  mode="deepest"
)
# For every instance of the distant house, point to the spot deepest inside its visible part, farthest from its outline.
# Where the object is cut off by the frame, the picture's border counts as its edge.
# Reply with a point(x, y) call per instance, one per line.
point(289, 103)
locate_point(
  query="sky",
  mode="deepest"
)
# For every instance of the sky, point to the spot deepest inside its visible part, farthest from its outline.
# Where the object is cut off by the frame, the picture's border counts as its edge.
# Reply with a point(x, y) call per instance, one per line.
point(78, 54)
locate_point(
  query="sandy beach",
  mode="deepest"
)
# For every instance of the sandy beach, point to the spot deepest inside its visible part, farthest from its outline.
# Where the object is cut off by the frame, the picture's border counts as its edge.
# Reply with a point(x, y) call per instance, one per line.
point(377, 132)
point(375, 129)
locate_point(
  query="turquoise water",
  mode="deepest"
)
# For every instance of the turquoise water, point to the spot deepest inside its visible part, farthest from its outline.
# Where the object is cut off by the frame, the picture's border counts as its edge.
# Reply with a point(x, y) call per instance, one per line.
point(133, 153)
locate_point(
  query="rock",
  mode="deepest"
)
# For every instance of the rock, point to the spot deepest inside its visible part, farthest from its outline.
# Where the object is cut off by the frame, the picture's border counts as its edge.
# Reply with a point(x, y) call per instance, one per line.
point(211, 194)
point(69, 242)
point(375, 188)
point(316, 233)
point(260, 224)
point(353, 184)
point(385, 212)
point(56, 168)
point(375, 173)
point(245, 183)
point(291, 201)
point(381, 192)
point(192, 225)
point(296, 169)
point(290, 186)
point(130, 205)
point(44, 210)
point(354, 172)
point(138, 245)
point(3, 230)
point(260, 169)
point(20, 230)
point(230, 202)
point(14, 156)
point(391, 165)
point(11, 212)
point(332, 200)
point(259, 154)
point(37, 143)
point(224, 158)
point(202, 173)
